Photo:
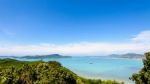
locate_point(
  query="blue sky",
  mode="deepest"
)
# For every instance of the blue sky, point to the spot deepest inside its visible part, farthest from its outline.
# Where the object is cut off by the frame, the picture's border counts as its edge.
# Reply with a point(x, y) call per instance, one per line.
point(65, 22)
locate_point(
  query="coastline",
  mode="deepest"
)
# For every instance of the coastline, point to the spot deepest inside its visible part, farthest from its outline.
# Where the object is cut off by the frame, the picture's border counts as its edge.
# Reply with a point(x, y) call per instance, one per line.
point(101, 77)
point(73, 66)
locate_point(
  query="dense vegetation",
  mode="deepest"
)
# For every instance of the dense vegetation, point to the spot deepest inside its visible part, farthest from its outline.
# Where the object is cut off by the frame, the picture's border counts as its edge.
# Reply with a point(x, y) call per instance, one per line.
point(39, 72)
point(143, 77)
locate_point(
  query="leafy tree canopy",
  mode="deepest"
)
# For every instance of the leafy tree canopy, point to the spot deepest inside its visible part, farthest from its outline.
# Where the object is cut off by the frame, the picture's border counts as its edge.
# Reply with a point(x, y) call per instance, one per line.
point(39, 72)
point(143, 76)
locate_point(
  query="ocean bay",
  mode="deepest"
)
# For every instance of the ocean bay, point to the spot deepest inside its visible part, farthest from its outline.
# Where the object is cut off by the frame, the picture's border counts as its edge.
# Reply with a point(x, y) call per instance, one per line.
point(100, 67)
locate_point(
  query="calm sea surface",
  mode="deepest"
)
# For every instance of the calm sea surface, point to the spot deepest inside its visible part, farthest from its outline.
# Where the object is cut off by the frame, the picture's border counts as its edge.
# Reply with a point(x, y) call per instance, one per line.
point(101, 67)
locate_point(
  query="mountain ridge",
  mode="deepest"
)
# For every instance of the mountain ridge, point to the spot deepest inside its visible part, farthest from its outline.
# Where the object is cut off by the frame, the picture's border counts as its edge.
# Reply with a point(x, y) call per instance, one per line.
point(127, 55)
point(37, 56)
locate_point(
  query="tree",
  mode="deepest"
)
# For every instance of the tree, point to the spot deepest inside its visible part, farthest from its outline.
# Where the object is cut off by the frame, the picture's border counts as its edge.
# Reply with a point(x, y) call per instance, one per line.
point(143, 76)
point(52, 72)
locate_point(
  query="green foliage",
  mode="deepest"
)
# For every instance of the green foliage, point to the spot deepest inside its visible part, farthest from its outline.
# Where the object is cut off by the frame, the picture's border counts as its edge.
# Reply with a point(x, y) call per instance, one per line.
point(39, 72)
point(143, 77)
point(92, 81)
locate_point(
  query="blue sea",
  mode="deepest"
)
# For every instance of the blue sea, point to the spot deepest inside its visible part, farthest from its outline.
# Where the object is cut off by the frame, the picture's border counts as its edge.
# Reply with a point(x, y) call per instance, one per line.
point(100, 67)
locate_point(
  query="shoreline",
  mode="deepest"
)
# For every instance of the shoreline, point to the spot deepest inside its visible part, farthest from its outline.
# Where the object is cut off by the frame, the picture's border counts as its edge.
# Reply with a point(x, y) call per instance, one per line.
point(101, 77)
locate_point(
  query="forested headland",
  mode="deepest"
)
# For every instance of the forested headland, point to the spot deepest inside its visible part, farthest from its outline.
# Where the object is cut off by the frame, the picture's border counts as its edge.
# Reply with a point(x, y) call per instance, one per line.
point(40, 72)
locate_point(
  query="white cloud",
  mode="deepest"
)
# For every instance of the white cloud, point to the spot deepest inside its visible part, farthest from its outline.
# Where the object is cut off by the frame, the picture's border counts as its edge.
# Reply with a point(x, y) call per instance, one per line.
point(143, 37)
point(82, 49)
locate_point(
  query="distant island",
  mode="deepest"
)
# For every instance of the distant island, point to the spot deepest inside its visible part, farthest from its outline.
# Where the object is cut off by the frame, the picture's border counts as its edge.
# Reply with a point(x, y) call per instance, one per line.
point(45, 56)
point(37, 56)
point(128, 55)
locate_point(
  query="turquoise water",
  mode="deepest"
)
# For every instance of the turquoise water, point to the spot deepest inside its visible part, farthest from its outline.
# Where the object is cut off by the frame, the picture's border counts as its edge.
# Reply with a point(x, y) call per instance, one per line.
point(101, 67)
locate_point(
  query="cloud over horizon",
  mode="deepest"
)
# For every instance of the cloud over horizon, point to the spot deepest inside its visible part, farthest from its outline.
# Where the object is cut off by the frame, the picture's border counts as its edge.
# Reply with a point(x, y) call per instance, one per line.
point(142, 37)
point(139, 44)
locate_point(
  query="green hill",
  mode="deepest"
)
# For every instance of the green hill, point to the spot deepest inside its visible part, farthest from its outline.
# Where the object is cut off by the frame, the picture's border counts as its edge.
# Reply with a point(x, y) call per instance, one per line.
point(39, 72)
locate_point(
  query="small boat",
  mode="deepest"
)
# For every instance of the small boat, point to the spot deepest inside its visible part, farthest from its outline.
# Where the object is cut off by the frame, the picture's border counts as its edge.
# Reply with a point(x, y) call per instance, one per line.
point(90, 63)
